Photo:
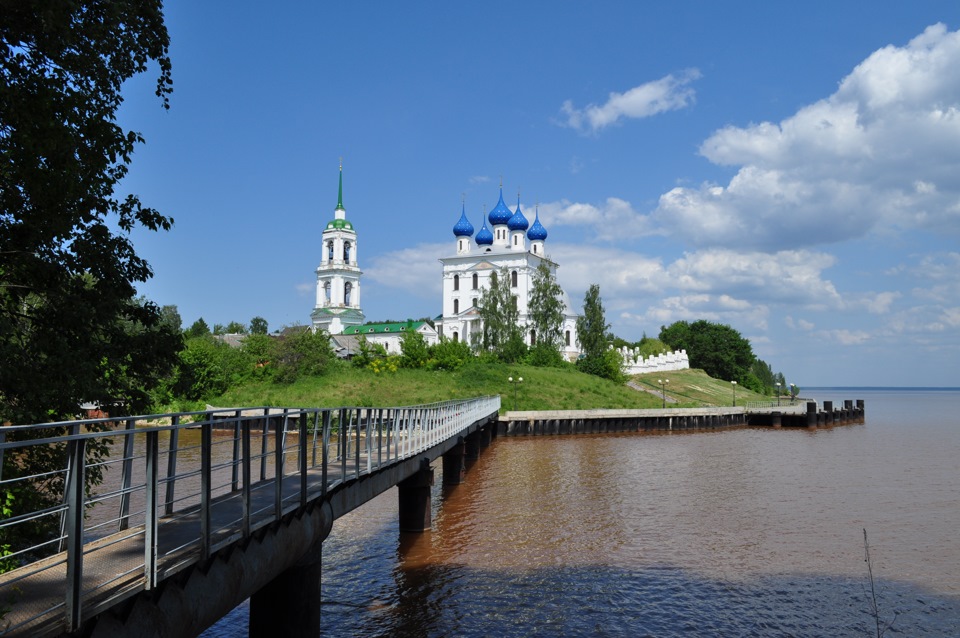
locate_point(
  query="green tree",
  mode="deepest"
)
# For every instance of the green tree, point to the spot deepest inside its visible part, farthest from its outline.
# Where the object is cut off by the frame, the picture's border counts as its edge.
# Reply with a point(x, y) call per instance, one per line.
point(715, 348)
point(198, 328)
point(596, 357)
point(500, 334)
point(449, 355)
point(413, 350)
point(235, 328)
point(258, 326)
point(67, 263)
point(546, 317)
point(303, 353)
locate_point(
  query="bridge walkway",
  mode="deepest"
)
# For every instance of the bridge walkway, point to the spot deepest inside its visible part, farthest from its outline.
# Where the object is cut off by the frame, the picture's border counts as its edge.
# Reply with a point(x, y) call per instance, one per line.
point(56, 594)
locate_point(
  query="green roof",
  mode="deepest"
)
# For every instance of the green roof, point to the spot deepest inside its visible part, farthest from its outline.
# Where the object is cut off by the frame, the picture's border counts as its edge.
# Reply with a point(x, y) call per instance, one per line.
point(384, 328)
point(341, 224)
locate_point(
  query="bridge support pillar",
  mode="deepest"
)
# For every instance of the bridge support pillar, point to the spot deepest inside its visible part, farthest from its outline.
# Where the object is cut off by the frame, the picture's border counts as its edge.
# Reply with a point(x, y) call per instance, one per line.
point(414, 497)
point(453, 463)
point(486, 435)
point(289, 605)
point(473, 445)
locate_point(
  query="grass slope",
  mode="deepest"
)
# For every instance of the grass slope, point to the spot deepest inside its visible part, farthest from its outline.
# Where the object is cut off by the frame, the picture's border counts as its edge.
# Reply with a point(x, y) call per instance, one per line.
point(541, 389)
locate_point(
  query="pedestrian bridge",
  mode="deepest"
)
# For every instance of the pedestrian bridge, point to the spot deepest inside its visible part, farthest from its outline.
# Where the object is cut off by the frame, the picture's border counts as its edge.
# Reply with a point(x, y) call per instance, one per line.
point(199, 511)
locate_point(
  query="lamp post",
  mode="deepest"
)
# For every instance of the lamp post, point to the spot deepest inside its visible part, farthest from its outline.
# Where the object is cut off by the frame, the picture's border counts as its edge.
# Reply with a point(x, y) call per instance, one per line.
point(793, 392)
point(514, 384)
point(733, 384)
point(663, 395)
point(778, 394)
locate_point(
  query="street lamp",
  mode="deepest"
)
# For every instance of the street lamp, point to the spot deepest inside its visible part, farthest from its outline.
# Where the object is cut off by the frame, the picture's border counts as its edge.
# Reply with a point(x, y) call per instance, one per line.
point(514, 384)
point(778, 394)
point(793, 392)
point(662, 393)
point(734, 385)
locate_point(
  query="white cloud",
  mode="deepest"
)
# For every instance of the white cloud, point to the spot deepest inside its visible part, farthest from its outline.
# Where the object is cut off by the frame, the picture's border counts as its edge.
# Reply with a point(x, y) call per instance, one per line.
point(479, 179)
point(880, 154)
point(415, 271)
point(614, 220)
point(669, 93)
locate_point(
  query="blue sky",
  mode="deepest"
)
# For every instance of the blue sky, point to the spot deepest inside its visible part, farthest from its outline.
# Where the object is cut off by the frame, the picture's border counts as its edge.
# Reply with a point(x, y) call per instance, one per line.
point(789, 169)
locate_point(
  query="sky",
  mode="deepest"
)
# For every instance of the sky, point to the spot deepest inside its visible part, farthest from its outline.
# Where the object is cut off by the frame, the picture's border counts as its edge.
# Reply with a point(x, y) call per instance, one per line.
point(789, 169)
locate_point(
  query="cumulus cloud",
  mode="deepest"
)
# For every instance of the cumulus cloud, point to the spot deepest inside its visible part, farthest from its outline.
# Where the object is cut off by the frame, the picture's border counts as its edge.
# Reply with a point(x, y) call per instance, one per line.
point(880, 154)
point(413, 270)
point(613, 220)
point(669, 93)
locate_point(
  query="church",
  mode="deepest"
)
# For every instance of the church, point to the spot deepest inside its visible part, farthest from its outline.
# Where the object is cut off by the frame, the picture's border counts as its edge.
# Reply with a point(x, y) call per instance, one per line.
point(509, 243)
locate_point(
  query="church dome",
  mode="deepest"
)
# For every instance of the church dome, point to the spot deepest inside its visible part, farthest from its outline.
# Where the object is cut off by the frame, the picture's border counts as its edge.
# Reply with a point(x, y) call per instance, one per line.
point(500, 215)
point(485, 237)
point(463, 227)
point(339, 224)
point(517, 220)
point(537, 232)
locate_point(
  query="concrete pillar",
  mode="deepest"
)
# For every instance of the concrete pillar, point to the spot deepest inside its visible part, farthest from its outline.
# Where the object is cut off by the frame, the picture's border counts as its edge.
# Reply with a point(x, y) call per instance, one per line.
point(414, 500)
point(453, 463)
point(776, 419)
point(473, 444)
point(486, 436)
point(289, 605)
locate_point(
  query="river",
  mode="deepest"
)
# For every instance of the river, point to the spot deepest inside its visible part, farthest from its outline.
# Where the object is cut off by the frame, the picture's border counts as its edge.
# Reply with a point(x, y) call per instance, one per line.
point(751, 532)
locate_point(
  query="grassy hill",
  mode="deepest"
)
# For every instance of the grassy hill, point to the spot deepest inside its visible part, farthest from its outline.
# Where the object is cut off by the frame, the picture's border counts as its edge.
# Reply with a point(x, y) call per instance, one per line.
point(541, 389)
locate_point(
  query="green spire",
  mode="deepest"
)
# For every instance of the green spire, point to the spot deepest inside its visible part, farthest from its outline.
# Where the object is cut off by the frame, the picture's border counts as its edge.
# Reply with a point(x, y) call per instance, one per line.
point(340, 190)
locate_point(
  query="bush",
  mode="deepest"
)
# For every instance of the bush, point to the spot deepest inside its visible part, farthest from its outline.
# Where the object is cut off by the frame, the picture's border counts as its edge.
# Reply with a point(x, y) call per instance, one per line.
point(303, 354)
point(414, 352)
point(448, 355)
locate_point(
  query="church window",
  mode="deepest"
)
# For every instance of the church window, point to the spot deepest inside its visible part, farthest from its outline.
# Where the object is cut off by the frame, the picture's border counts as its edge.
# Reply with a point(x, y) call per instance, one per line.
point(476, 281)
point(346, 252)
point(329, 251)
point(535, 249)
point(347, 289)
point(456, 282)
point(456, 336)
point(474, 302)
point(513, 279)
point(326, 291)
point(456, 306)
point(568, 337)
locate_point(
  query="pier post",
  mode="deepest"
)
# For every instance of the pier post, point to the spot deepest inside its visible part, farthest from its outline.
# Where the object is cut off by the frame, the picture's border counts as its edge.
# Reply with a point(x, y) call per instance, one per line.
point(414, 500)
point(453, 463)
point(811, 414)
point(776, 419)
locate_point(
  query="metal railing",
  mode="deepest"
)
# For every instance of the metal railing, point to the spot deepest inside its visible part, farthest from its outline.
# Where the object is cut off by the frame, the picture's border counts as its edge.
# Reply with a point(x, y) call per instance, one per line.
point(176, 488)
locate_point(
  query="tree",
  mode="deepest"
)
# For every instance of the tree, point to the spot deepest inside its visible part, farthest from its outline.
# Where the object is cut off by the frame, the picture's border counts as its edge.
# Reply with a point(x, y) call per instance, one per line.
point(303, 353)
point(198, 328)
point(500, 333)
point(235, 328)
point(67, 264)
point(546, 317)
point(258, 326)
point(413, 350)
point(715, 348)
point(596, 357)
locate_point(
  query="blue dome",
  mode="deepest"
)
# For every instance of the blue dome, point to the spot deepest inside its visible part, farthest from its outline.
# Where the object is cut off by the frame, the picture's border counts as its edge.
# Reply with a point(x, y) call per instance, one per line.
point(500, 215)
point(537, 232)
point(484, 237)
point(463, 227)
point(517, 220)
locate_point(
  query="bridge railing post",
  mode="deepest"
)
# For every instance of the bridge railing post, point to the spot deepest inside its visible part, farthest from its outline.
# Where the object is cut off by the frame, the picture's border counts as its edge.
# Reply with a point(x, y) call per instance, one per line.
point(126, 479)
point(76, 454)
point(235, 466)
point(247, 470)
point(152, 482)
point(264, 443)
point(278, 453)
point(206, 465)
point(342, 442)
point(325, 452)
point(302, 449)
point(173, 446)
point(356, 444)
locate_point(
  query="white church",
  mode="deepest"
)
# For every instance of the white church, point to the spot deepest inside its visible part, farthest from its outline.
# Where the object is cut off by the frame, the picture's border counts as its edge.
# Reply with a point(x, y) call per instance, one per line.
point(510, 243)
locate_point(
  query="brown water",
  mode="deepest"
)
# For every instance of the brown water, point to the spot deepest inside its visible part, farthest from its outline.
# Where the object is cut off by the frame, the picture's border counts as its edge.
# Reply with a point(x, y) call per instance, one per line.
point(753, 532)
